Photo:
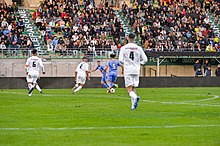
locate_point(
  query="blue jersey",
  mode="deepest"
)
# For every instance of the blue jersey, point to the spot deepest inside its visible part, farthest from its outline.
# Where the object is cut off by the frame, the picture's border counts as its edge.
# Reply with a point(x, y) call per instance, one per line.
point(113, 66)
point(101, 68)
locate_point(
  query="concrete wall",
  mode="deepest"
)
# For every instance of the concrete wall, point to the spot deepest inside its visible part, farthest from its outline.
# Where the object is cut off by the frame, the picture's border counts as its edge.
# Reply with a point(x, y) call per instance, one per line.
point(54, 67)
point(66, 68)
point(67, 82)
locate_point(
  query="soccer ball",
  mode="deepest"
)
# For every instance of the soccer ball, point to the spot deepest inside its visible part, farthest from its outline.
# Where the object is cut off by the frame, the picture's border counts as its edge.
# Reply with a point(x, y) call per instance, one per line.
point(112, 90)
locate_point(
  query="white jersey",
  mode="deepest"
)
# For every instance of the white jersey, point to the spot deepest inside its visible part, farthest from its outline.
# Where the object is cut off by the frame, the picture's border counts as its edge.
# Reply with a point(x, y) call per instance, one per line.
point(82, 68)
point(132, 56)
point(34, 64)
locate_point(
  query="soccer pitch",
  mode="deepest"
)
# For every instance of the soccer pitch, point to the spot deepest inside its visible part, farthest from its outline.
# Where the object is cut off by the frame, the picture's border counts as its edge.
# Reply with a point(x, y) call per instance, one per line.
point(165, 117)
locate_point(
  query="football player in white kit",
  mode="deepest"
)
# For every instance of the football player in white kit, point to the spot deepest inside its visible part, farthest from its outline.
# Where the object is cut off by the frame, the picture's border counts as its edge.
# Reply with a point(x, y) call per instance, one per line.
point(132, 55)
point(33, 66)
point(81, 73)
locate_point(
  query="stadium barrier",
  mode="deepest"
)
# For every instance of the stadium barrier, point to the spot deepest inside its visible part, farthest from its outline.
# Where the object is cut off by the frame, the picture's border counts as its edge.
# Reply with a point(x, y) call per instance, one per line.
point(54, 52)
point(149, 82)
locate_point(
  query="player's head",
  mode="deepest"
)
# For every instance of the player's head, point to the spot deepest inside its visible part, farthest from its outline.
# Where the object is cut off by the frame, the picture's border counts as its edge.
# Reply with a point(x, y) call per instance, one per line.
point(98, 62)
point(34, 52)
point(131, 37)
point(113, 55)
point(85, 59)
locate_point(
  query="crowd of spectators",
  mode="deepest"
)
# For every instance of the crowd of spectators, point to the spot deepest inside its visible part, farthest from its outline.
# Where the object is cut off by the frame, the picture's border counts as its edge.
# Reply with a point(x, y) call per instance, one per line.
point(92, 29)
point(174, 25)
point(11, 37)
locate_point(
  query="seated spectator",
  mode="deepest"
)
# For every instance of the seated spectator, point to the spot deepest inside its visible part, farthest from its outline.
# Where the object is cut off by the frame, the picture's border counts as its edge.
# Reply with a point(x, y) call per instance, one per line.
point(208, 72)
point(184, 25)
point(198, 73)
point(79, 25)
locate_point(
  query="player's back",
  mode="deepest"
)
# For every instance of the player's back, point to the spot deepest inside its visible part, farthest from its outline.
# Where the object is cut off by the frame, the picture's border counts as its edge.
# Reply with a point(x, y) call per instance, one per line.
point(131, 55)
point(113, 66)
point(34, 63)
point(82, 68)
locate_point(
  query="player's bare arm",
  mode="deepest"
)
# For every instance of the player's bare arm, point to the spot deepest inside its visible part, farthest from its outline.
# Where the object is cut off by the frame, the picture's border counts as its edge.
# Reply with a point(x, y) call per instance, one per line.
point(87, 75)
point(75, 75)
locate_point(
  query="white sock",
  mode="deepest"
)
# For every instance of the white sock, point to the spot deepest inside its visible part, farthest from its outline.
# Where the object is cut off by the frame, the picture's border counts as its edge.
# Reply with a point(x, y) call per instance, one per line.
point(29, 86)
point(76, 85)
point(38, 88)
point(77, 89)
point(133, 96)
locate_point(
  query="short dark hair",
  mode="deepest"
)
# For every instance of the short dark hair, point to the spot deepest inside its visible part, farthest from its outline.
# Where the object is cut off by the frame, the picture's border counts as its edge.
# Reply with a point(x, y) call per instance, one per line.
point(84, 57)
point(112, 55)
point(131, 35)
point(98, 61)
point(34, 51)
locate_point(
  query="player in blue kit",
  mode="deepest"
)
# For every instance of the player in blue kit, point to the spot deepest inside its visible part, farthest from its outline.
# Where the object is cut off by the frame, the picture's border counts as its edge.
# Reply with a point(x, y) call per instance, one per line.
point(101, 68)
point(112, 68)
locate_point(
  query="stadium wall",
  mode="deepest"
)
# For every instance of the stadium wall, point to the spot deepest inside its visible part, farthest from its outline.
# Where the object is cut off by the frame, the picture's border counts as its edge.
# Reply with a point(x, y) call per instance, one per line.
point(66, 68)
point(67, 82)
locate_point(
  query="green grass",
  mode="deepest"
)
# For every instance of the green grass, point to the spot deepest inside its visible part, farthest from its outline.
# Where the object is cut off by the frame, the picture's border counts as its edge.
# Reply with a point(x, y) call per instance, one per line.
point(165, 117)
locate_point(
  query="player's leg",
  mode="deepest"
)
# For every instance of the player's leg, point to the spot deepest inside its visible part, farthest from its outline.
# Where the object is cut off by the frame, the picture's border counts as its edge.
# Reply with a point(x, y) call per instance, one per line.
point(103, 81)
point(114, 79)
point(77, 83)
point(136, 83)
point(109, 82)
point(34, 81)
point(38, 88)
point(29, 81)
point(78, 88)
point(129, 86)
point(81, 82)
point(75, 86)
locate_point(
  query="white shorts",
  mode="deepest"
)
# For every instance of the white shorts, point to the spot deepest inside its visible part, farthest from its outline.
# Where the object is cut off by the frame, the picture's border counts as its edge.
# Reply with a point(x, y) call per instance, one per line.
point(81, 79)
point(131, 80)
point(32, 77)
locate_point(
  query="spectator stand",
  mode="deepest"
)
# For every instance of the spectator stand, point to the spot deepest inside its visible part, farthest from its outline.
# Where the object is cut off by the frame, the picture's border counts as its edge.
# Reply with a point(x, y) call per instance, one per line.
point(12, 36)
point(173, 26)
point(80, 28)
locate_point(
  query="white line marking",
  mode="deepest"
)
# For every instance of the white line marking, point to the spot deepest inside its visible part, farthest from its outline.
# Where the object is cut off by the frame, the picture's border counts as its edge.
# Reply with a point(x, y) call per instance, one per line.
point(106, 128)
point(189, 102)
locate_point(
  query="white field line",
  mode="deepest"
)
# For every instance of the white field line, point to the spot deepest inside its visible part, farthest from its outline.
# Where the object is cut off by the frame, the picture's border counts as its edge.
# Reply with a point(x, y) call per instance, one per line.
point(189, 102)
point(106, 128)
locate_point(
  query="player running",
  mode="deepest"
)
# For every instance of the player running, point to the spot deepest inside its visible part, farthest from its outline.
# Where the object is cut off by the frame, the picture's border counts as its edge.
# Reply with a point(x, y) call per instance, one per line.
point(33, 66)
point(101, 68)
point(81, 73)
point(29, 85)
point(132, 55)
point(112, 68)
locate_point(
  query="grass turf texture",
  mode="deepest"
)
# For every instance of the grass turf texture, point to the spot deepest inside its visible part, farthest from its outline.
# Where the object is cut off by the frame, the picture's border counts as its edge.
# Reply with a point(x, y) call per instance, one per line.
point(165, 116)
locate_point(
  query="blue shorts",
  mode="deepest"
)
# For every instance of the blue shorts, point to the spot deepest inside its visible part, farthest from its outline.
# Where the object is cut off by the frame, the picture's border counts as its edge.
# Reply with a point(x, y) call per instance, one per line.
point(112, 77)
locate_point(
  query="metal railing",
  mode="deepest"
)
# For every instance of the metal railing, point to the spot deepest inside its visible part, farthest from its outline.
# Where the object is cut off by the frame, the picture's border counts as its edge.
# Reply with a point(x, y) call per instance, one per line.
point(154, 70)
point(16, 53)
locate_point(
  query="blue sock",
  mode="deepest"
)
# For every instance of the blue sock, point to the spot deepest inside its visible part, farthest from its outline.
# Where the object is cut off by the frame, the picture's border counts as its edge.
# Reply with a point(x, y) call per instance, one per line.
point(105, 85)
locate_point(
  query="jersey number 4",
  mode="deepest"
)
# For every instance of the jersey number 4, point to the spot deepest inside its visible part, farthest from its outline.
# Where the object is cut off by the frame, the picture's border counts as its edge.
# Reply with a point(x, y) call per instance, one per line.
point(131, 56)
